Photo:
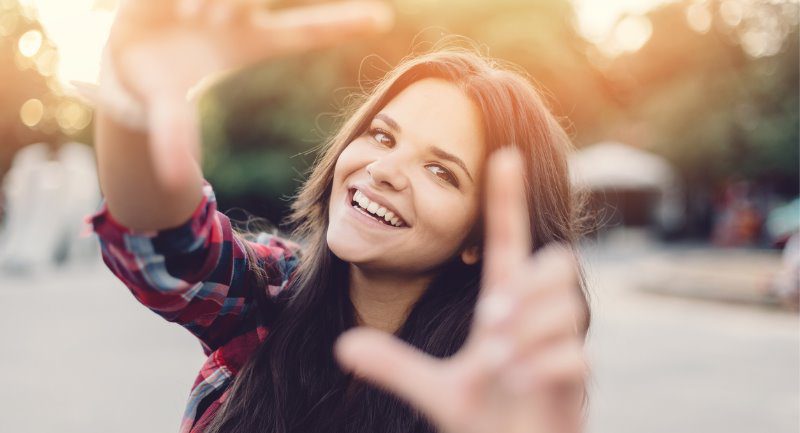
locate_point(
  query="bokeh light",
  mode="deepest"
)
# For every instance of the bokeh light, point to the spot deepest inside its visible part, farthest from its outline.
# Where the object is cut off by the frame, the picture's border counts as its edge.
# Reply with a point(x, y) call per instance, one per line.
point(47, 61)
point(732, 12)
point(699, 17)
point(760, 42)
point(632, 32)
point(72, 117)
point(31, 112)
point(597, 20)
point(30, 43)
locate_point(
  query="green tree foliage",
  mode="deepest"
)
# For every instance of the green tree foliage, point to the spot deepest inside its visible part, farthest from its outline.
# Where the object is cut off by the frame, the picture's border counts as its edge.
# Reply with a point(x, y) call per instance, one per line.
point(715, 110)
point(707, 99)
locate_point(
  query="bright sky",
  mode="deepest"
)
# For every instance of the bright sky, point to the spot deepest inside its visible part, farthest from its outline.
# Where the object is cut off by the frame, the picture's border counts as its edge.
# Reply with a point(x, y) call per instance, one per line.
point(79, 47)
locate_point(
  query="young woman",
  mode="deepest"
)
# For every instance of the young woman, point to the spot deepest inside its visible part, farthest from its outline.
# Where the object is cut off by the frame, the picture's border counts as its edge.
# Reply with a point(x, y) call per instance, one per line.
point(426, 207)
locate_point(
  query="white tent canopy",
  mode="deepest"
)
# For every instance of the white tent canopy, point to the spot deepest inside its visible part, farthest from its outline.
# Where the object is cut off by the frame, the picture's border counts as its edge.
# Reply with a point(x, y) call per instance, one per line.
point(611, 165)
point(616, 166)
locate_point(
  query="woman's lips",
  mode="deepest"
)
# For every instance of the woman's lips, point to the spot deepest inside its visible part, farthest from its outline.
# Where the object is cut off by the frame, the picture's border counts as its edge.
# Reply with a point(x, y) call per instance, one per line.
point(362, 215)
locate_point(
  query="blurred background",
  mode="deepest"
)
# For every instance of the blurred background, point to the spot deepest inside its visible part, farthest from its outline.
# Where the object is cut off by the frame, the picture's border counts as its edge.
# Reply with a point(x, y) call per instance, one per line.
point(685, 115)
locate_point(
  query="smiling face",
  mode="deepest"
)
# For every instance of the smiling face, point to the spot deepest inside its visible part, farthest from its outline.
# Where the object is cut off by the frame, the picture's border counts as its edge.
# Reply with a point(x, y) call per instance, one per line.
point(417, 166)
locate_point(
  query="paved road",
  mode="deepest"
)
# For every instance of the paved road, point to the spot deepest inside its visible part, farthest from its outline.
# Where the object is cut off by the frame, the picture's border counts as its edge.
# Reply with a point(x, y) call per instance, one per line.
point(80, 355)
point(666, 364)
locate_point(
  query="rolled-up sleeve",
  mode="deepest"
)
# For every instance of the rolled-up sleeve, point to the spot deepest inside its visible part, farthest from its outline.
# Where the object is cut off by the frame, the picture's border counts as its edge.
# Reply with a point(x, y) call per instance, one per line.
point(198, 273)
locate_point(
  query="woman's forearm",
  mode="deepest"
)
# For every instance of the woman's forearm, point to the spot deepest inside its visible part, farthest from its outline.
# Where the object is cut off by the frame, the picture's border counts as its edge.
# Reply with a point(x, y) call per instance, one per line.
point(134, 196)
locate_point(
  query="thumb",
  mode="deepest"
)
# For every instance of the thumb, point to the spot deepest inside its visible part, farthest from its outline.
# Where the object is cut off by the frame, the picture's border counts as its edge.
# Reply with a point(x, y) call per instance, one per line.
point(392, 364)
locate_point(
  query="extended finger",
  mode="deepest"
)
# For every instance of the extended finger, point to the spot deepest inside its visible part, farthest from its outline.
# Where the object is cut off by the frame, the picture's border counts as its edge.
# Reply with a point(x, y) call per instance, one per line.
point(554, 319)
point(539, 301)
point(527, 330)
point(551, 271)
point(562, 362)
point(309, 27)
point(547, 287)
point(146, 12)
point(393, 365)
point(547, 280)
point(224, 12)
point(507, 241)
point(508, 237)
point(190, 9)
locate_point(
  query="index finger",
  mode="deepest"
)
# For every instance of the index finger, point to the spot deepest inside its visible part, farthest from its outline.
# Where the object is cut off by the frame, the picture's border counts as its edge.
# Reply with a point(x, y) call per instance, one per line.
point(508, 231)
point(308, 27)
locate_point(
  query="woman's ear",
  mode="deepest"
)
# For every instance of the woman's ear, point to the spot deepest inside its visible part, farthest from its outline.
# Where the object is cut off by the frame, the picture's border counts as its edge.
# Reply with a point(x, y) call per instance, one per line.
point(471, 255)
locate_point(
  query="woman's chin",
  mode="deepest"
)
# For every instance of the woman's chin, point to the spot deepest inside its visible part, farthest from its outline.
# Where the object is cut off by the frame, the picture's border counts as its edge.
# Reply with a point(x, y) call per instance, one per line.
point(362, 252)
point(349, 246)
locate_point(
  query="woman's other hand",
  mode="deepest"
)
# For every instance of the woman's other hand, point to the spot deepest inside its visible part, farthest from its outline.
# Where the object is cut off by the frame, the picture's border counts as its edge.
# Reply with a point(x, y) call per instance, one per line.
point(161, 49)
point(522, 367)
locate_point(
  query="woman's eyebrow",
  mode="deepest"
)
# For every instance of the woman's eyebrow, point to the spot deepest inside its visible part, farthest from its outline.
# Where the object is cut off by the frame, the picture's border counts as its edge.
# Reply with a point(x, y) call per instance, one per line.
point(439, 152)
point(389, 121)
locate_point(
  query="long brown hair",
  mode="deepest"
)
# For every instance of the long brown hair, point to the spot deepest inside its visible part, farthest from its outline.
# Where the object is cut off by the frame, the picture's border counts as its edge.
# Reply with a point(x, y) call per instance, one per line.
point(292, 383)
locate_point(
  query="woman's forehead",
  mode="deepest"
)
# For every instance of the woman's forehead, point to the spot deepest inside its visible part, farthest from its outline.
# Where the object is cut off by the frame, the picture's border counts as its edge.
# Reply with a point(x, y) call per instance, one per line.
point(435, 112)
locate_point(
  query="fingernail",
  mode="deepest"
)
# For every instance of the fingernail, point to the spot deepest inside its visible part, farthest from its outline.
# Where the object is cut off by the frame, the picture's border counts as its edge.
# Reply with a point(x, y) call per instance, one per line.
point(494, 309)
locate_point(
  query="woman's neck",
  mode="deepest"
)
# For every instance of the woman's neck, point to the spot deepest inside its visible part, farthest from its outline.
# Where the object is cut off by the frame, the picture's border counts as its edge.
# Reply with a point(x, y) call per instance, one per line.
point(383, 301)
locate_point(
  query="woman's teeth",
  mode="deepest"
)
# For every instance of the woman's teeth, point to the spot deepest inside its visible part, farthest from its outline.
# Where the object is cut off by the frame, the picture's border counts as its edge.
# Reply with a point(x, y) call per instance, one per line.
point(377, 210)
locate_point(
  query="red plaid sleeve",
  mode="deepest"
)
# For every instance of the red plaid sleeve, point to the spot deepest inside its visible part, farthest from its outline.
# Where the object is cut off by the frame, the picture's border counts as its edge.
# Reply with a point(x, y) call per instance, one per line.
point(196, 274)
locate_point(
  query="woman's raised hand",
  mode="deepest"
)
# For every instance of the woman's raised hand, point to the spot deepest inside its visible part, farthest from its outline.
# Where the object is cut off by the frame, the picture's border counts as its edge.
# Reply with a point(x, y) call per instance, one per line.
point(522, 367)
point(160, 49)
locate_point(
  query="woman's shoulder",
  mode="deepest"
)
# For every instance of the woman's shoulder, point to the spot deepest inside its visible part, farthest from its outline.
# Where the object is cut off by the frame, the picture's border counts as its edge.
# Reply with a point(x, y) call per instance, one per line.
point(216, 375)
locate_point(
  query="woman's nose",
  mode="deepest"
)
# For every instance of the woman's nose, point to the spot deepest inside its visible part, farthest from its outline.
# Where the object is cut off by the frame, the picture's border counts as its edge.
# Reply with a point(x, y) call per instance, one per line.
point(388, 172)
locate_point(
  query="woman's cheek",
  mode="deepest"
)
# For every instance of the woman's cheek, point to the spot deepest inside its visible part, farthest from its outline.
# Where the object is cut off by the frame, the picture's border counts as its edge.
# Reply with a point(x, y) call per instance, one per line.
point(447, 217)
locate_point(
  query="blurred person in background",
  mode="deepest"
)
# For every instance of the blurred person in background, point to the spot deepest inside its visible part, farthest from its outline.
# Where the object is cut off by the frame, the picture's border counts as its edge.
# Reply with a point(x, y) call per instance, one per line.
point(48, 192)
point(738, 220)
point(435, 200)
point(786, 283)
point(783, 227)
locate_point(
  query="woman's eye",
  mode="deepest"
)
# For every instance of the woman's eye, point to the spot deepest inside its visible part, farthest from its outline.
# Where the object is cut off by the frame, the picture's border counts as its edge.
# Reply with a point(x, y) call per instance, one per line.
point(386, 139)
point(382, 137)
point(448, 177)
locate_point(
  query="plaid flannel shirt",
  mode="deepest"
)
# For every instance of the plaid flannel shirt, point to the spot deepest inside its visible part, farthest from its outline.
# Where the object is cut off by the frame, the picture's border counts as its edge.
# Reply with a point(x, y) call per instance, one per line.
point(196, 275)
